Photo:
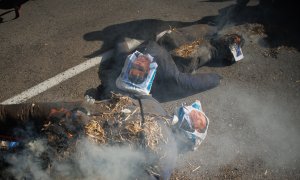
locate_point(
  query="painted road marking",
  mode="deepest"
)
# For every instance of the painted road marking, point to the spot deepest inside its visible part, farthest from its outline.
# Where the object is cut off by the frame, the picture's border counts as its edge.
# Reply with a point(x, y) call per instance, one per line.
point(61, 77)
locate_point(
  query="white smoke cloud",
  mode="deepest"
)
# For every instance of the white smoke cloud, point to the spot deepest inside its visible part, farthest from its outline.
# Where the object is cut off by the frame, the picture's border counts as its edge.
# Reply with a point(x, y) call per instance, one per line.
point(109, 162)
point(26, 164)
point(88, 160)
point(251, 124)
point(275, 126)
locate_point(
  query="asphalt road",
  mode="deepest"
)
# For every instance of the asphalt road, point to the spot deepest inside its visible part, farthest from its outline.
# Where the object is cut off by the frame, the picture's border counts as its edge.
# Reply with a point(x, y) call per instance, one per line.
point(48, 38)
point(254, 113)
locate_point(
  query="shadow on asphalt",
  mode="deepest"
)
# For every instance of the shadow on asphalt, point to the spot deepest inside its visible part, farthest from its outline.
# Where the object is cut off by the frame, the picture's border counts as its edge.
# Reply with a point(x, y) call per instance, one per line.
point(278, 17)
point(9, 5)
point(215, 0)
point(145, 29)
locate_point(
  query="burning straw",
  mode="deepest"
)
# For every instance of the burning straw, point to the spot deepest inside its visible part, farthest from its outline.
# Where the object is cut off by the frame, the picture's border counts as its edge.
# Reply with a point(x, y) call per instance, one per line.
point(116, 121)
point(114, 126)
point(95, 131)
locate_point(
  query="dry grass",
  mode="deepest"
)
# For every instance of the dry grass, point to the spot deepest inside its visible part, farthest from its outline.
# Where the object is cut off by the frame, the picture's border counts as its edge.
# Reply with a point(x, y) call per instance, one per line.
point(186, 50)
point(94, 130)
point(114, 126)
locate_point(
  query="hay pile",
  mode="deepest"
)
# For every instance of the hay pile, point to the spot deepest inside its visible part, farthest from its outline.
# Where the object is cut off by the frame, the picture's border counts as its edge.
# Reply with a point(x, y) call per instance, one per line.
point(116, 121)
point(120, 122)
point(186, 50)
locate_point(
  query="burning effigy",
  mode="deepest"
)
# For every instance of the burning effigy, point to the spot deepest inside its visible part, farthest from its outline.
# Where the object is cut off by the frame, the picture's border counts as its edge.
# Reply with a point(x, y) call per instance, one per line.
point(91, 139)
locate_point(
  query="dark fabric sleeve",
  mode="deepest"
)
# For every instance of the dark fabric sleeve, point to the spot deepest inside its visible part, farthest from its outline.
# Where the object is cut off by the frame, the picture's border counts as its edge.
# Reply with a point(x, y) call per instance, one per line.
point(151, 105)
point(32, 114)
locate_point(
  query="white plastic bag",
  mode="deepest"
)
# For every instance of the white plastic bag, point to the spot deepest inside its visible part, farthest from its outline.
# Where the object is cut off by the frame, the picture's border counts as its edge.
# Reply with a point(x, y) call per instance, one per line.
point(236, 51)
point(137, 74)
point(193, 122)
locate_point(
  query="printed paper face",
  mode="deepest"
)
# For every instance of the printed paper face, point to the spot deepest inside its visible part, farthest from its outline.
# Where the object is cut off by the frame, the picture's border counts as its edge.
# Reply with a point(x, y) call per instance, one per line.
point(236, 51)
point(137, 74)
point(139, 70)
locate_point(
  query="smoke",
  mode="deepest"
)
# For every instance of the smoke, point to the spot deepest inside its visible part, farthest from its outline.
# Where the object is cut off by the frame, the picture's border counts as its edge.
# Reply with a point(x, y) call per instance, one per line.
point(109, 162)
point(27, 164)
point(89, 160)
point(251, 125)
point(244, 122)
point(169, 153)
point(275, 123)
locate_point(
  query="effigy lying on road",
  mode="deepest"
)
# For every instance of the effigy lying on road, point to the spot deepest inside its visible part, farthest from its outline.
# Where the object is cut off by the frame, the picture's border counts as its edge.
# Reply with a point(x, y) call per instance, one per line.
point(68, 131)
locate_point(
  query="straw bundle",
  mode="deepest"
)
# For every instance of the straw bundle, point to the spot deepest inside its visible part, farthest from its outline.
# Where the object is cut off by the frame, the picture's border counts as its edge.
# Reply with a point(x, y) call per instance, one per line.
point(186, 50)
point(121, 124)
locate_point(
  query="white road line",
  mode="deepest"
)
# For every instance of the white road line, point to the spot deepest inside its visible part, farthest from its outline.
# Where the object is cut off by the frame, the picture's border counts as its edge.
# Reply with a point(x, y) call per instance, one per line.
point(61, 77)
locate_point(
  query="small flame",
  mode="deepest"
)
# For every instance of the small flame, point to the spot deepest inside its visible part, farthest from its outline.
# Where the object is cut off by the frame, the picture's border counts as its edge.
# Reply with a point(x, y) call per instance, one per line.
point(69, 135)
point(55, 111)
